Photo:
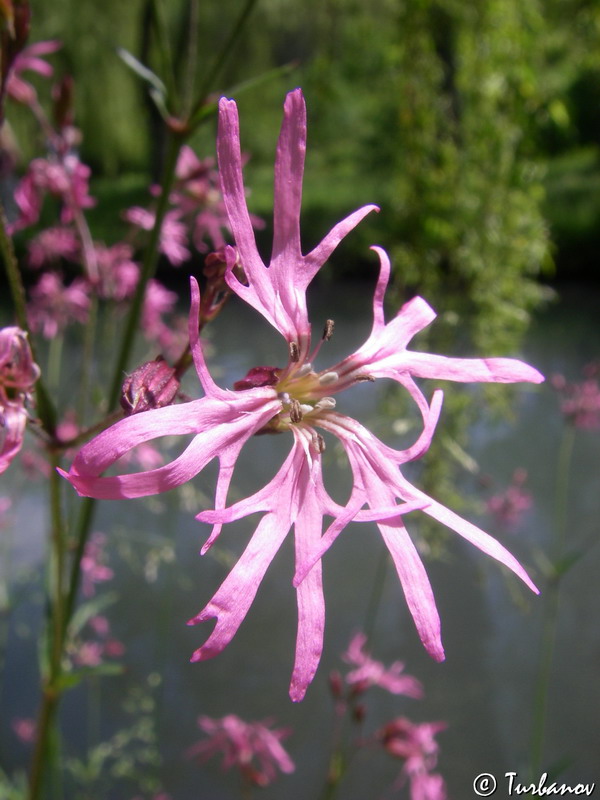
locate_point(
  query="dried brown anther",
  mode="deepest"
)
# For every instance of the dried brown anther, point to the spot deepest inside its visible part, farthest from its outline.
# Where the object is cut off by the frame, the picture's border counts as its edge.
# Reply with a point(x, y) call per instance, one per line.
point(295, 411)
point(294, 352)
point(328, 330)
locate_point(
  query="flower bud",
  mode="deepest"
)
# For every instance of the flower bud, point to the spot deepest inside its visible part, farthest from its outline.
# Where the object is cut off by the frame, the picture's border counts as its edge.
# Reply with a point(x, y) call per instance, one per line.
point(18, 370)
point(152, 385)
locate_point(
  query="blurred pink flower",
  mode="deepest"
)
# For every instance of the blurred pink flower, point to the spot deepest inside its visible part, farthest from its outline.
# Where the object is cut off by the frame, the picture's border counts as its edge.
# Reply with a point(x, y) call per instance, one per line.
point(415, 744)
point(580, 402)
point(18, 374)
point(118, 273)
point(51, 245)
point(369, 672)
point(65, 178)
point(509, 505)
point(298, 400)
point(29, 60)
point(53, 305)
point(254, 748)
point(173, 234)
point(25, 729)
point(93, 568)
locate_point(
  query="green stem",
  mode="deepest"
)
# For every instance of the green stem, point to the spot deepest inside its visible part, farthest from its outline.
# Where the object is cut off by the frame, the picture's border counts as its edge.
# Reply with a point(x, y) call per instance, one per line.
point(376, 593)
point(226, 50)
point(150, 261)
point(551, 605)
point(51, 679)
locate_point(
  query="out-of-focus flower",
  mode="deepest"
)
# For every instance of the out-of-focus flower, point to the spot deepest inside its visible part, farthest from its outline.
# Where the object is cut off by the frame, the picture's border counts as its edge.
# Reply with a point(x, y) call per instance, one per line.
point(29, 59)
point(65, 178)
point(93, 567)
point(53, 305)
point(509, 506)
point(18, 373)
point(25, 729)
point(297, 399)
point(254, 748)
point(369, 672)
point(173, 234)
point(87, 652)
point(118, 273)
point(51, 245)
point(415, 744)
point(580, 402)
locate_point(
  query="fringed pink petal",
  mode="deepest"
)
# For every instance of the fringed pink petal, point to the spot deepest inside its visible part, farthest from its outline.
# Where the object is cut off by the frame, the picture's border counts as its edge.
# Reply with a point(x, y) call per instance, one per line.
point(233, 599)
point(494, 370)
point(416, 587)
point(289, 169)
point(309, 594)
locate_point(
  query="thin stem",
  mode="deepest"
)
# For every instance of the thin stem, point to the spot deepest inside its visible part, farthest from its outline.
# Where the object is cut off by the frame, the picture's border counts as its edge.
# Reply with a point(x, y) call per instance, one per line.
point(551, 604)
point(51, 685)
point(150, 261)
point(227, 49)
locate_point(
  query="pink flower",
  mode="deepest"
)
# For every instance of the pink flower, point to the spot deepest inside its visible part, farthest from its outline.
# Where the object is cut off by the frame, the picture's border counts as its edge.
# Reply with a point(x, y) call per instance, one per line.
point(51, 245)
point(369, 672)
point(581, 401)
point(29, 59)
point(173, 234)
point(509, 506)
point(118, 273)
point(18, 373)
point(297, 399)
point(415, 744)
point(252, 747)
point(65, 178)
point(93, 568)
point(25, 729)
point(53, 305)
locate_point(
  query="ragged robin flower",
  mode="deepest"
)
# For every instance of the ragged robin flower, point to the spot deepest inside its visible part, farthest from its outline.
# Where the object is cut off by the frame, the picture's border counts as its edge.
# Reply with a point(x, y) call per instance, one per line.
point(299, 399)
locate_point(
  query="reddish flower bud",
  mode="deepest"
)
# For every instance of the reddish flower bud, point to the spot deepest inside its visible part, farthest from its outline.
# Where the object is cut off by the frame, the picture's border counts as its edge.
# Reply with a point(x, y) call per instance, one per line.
point(258, 376)
point(151, 385)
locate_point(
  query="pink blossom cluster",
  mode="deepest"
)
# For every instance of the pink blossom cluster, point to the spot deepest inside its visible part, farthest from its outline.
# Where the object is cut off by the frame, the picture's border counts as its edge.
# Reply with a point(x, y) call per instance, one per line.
point(298, 399)
point(18, 374)
point(415, 745)
point(368, 672)
point(509, 505)
point(93, 566)
point(91, 652)
point(253, 748)
point(580, 402)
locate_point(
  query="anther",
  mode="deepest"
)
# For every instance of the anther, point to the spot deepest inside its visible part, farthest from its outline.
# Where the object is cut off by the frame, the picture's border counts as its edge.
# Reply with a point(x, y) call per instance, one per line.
point(328, 330)
point(318, 442)
point(328, 377)
point(364, 378)
point(325, 403)
point(295, 411)
point(304, 370)
point(294, 352)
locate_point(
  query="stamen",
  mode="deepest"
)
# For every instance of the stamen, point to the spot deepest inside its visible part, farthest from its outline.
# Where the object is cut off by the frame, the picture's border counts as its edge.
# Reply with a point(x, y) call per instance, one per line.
point(328, 330)
point(295, 410)
point(294, 352)
point(328, 377)
point(318, 442)
point(304, 370)
point(305, 408)
point(325, 403)
point(364, 378)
